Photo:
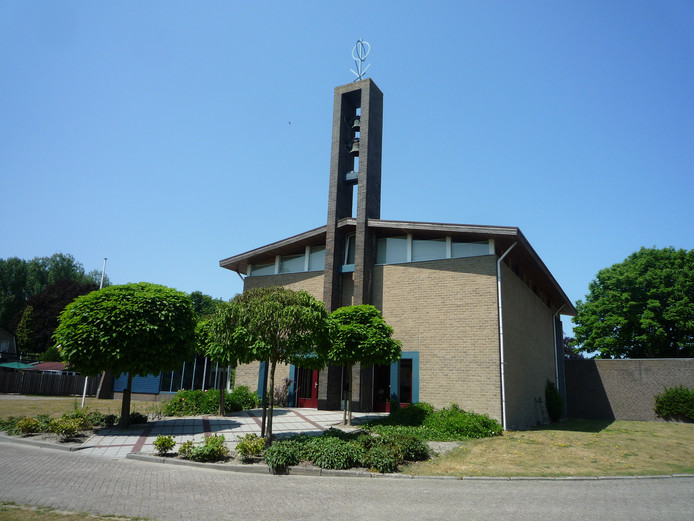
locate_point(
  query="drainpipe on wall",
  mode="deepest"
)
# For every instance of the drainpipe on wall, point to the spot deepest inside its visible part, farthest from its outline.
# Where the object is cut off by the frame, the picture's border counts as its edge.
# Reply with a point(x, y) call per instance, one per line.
point(501, 336)
point(556, 347)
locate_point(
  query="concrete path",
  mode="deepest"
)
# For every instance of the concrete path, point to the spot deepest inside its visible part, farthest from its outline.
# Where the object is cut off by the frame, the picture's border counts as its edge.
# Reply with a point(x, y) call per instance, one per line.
point(75, 481)
point(140, 438)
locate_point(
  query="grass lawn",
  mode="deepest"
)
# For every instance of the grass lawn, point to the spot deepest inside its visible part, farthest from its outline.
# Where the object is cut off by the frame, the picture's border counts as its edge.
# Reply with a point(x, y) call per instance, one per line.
point(14, 512)
point(572, 448)
point(17, 406)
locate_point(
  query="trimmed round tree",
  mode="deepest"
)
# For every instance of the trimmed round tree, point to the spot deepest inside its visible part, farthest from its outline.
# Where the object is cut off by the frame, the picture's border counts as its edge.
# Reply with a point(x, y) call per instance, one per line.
point(138, 329)
point(361, 335)
point(273, 325)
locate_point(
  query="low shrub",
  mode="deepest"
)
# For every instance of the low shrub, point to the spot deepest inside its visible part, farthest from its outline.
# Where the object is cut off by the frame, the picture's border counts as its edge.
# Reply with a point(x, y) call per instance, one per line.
point(185, 451)
point(164, 444)
point(381, 458)
point(250, 445)
point(137, 417)
point(412, 414)
point(81, 418)
point(241, 399)
point(213, 448)
point(454, 423)
point(9, 425)
point(196, 403)
point(66, 428)
point(406, 446)
point(555, 405)
point(331, 452)
point(675, 403)
point(281, 455)
point(28, 425)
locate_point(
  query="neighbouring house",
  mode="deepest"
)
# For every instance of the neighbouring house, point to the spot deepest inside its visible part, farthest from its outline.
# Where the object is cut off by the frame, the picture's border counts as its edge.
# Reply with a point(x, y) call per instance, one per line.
point(8, 344)
point(476, 309)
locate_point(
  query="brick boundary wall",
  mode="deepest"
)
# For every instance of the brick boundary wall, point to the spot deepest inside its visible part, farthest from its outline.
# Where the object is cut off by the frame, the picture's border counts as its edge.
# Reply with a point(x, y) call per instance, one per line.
point(622, 389)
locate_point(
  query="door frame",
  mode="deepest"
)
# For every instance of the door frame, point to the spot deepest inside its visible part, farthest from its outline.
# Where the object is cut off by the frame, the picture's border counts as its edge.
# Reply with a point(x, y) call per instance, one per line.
point(395, 381)
point(311, 402)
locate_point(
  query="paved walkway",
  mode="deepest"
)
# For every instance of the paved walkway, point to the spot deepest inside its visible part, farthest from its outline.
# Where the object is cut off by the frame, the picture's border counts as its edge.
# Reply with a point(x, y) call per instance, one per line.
point(116, 443)
point(74, 481)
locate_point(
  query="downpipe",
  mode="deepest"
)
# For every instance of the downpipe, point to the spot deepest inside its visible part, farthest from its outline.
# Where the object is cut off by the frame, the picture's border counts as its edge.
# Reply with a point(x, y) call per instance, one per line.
point(501, 336)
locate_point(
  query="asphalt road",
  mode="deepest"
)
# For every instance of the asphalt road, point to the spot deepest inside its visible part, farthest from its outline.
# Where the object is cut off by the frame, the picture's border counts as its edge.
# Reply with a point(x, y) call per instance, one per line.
point(78, 482)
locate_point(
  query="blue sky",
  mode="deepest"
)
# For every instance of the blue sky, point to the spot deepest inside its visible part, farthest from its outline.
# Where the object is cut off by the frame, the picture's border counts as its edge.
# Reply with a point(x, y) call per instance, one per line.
point(158, 134)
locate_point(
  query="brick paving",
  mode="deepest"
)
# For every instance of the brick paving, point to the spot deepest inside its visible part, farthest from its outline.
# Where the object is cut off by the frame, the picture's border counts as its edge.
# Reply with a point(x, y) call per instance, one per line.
point(74, 481)
point(99, 479)
point(116, 443)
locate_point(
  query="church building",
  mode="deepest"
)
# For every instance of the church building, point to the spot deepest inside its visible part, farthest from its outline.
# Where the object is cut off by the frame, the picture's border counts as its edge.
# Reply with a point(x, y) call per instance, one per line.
point(476, 309)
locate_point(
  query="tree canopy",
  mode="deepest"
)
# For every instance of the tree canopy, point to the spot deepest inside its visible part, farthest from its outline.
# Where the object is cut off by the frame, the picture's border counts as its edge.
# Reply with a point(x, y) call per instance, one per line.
point(21, 279)
point(204, 305)
point(137, 329)
point(40, 315)
point(361, 335)
point(271, 324)
point(642, 307)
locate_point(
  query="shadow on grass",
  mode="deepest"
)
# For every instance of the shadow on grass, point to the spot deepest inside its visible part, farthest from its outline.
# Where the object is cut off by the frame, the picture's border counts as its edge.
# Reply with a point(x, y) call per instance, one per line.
point(577, 425)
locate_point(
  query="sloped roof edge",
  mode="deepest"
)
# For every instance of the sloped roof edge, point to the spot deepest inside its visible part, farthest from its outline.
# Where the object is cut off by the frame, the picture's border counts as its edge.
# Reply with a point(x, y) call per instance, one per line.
point(504, 235)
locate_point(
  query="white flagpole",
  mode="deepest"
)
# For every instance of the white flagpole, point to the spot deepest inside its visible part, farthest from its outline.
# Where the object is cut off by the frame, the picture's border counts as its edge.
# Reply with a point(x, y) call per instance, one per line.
point(86, 378)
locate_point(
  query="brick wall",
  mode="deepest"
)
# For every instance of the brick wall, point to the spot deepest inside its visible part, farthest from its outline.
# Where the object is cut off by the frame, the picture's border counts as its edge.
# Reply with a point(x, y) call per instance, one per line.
point(622, 389)
point(528, 351)
point(446, 310)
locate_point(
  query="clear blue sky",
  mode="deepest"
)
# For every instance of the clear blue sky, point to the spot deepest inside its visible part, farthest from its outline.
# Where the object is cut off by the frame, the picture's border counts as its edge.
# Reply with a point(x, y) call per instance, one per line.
point(157, 134)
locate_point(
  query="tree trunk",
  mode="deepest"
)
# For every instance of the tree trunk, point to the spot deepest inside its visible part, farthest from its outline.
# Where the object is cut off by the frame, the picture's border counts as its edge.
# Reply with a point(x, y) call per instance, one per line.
point(125, 403)
point(264, 399)
point(272, 402)
point(343, 398)
point(349, 401)
point(101, 383)
point(222, 394)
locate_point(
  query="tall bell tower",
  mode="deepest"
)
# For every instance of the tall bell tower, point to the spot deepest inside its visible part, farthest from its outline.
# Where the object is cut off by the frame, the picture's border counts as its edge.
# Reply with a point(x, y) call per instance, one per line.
point(355, 164)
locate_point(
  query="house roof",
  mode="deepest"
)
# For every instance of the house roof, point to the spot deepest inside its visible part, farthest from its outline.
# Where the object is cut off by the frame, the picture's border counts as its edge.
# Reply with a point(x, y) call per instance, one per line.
point(522, 258)
point(49, 366)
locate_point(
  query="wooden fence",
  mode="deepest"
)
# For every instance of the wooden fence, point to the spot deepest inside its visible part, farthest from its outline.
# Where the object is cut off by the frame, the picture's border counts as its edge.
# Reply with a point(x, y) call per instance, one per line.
point(45, 384)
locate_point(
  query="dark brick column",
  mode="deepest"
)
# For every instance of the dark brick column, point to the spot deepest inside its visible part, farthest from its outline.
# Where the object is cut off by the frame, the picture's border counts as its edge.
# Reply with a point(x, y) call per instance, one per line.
point(366, 96)
point(361, 98)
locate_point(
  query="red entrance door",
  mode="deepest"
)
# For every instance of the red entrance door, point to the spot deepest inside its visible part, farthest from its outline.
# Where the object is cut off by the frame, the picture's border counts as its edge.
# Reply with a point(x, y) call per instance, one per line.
point(307, 388)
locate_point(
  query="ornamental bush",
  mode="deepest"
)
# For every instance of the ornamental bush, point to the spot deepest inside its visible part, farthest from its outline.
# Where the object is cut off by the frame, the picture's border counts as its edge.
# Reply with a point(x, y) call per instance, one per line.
point(412, 414)
point(66, 428)
point(241, 399)
point(213, 448)
point(406, 446)
point(330, 452)
point(281, 455)
point(250, 445)
point(381, 458)
point(198, 402)
point(80, 417)
point(675, 403)
point(164, 444)
point(453, 423)
point(28, 425)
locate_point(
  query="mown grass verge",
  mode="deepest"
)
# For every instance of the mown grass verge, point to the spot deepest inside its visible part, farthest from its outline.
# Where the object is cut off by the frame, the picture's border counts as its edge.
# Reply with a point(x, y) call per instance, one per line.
point(572, 448)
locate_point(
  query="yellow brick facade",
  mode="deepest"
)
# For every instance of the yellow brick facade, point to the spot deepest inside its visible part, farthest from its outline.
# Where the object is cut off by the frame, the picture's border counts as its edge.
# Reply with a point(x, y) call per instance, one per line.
point(446, 310)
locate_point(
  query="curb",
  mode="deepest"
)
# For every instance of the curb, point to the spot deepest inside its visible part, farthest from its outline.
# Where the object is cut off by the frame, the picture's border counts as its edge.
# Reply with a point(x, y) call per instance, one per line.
point(40, 444)
point(318, 472)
